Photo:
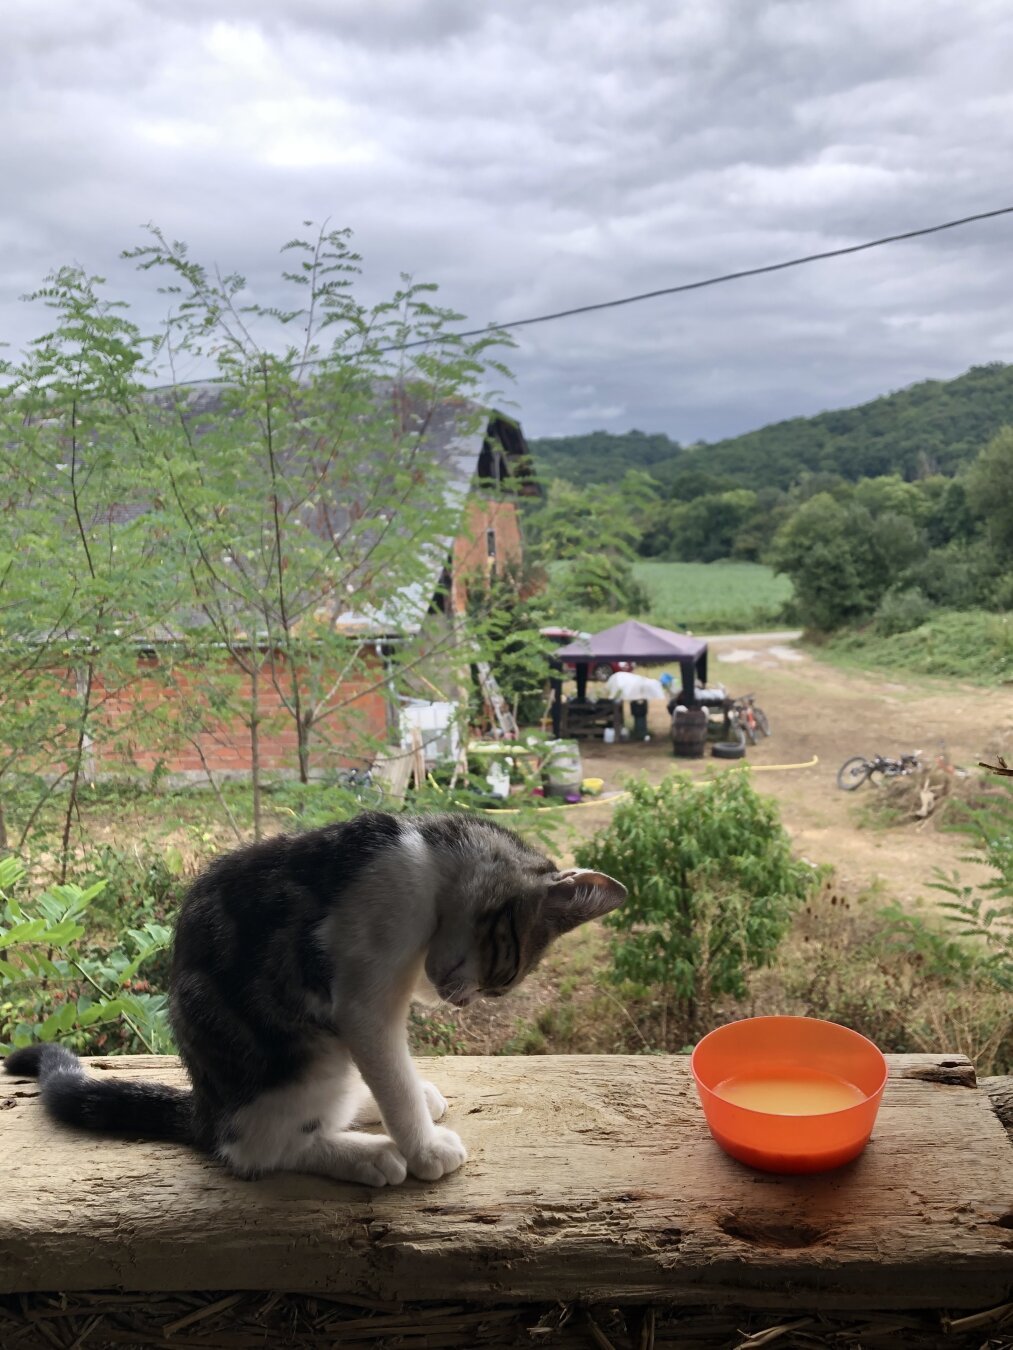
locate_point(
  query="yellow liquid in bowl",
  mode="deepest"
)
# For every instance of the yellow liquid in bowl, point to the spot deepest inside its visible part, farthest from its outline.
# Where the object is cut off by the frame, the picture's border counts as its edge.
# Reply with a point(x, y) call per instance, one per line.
point(802, 1094)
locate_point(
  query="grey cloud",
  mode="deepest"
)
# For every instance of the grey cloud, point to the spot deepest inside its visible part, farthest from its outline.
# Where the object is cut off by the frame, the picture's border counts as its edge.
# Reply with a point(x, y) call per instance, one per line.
point(529, 157)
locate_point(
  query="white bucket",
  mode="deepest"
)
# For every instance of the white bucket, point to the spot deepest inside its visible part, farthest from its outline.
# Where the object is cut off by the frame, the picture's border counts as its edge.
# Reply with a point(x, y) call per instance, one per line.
point(609, 735)
point(563, 769)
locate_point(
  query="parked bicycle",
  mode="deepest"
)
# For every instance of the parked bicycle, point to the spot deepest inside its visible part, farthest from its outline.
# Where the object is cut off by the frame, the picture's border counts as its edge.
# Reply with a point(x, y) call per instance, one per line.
point(858, 770)
point(745, 716)
point(360, 783)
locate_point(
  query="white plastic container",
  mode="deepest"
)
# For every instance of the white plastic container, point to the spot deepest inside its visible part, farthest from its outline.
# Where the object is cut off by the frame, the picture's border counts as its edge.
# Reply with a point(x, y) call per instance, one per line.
point(563, 769)
point(436, 724)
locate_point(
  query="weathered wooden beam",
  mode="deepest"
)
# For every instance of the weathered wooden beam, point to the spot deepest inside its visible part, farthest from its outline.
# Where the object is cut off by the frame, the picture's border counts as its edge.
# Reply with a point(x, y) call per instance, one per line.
point(1000, 1093)
point(591, 1178)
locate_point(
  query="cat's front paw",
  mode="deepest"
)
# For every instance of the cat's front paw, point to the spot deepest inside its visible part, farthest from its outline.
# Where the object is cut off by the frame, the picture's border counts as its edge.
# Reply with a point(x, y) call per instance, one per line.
point(369, 1159)
point(435, 1100)
point(442, 1152)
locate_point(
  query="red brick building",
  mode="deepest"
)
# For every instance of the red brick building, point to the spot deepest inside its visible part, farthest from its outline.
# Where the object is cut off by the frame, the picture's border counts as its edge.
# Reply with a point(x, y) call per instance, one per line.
point(486, 467)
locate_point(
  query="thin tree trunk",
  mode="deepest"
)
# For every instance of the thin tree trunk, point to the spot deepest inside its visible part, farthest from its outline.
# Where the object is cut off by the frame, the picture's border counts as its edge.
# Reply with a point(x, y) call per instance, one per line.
point(209, 775)
point(3, 827)
point(82, 740)
point(255, 745)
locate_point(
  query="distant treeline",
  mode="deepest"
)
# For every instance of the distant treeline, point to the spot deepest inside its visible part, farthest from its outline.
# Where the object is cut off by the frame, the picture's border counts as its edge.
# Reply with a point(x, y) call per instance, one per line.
point(933, 427)
point(891, 511)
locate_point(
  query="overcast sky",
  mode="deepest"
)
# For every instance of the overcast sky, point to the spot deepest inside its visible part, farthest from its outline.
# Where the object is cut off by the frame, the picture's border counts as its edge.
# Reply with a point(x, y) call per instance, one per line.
point(528, 155)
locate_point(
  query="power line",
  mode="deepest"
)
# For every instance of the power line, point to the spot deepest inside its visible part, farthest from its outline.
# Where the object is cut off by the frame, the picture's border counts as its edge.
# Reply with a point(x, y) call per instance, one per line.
point(681, 289)
point(735, 276)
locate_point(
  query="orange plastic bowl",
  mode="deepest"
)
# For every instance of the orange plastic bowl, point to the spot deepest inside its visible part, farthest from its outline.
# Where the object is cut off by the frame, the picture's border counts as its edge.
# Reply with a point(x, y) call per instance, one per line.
point(789, 1094)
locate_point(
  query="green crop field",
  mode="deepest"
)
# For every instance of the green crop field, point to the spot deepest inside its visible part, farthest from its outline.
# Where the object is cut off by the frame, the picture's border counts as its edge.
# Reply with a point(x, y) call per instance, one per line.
point(709, 597)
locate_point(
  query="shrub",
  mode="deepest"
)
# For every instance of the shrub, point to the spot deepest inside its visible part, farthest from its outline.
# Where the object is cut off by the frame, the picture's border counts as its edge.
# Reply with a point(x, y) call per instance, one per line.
point(54, 985)
point(985, 914)
point(713, 886)
point(601, 582)
point(903, 979)
point(900, 611)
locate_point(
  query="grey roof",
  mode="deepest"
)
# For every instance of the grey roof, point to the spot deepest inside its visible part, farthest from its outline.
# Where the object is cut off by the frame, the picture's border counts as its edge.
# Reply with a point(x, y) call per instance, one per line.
point(455, 433)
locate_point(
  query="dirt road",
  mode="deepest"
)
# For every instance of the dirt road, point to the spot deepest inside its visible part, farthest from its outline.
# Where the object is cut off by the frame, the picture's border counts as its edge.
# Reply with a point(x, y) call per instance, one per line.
point(817, 710)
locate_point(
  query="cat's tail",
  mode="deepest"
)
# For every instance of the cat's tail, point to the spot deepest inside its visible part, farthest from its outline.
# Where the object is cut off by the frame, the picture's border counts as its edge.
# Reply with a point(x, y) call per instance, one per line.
point(110, 1105)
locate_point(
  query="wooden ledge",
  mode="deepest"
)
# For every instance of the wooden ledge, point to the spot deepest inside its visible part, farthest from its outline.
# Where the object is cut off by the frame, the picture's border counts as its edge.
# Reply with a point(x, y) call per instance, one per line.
point(591, 1178)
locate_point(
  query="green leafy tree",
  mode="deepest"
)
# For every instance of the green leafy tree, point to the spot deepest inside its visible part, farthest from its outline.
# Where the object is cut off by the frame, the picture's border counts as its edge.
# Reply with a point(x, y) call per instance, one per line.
point(81, 574)
point(706, 528)
point(713, 886)
point(841, 559)
point(990, 490)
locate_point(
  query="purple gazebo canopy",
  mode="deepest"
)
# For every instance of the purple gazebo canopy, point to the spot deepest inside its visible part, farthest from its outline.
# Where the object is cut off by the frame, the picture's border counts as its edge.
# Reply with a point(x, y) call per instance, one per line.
point(641, 643)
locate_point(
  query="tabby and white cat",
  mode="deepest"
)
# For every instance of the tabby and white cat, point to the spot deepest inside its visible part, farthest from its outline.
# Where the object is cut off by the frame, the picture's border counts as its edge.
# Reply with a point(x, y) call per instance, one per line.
point(294, 965)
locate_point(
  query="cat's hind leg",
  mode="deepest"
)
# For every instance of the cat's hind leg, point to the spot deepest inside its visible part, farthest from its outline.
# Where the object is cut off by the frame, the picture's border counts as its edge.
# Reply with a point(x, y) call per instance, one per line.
point(304, 1127)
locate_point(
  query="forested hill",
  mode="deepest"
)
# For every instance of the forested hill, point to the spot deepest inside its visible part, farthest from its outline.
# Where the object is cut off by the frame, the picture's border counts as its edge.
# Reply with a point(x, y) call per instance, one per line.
point(932, 427)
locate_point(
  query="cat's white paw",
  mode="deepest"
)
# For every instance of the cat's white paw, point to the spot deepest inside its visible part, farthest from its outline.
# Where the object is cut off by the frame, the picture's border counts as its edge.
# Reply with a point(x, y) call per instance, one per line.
point(441, 1153)
point(435, 1100)
point(370, 1160)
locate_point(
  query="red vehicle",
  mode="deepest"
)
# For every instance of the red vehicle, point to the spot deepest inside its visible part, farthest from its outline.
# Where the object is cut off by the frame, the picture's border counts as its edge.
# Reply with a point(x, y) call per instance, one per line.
point(601, 670)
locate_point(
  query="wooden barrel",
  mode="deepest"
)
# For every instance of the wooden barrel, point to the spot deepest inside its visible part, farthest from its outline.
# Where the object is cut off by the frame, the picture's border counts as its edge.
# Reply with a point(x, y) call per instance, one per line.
point(689, 733)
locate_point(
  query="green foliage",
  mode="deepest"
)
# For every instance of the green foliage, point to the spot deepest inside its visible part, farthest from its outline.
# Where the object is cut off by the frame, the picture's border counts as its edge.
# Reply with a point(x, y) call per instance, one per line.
point(706, 528)
point(211, 539)
point(936, 426)
point(712, 881)
point(906, 980)
point(600, 456)
point(57, 982)
point(603, 583)
point(990, 490)
point(574, 521)
point(901, 610)
point(841, 558)
point(960, 574)
point(985, 914)
point(432, 1033)
point(971, 645)
point(506, 619)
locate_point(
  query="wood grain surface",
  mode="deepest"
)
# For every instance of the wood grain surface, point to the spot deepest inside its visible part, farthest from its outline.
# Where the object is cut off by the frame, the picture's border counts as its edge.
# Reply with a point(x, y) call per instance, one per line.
point(590, 1177)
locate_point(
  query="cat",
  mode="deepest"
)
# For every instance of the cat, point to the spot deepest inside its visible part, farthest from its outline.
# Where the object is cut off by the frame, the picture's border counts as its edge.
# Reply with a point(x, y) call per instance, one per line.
point(294, 964)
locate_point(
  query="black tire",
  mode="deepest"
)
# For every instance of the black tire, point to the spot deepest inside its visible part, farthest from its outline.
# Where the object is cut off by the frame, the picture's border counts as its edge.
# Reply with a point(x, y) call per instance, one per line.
point(728, 750)
point(762, 720)
point(602, 673)
point(853, 773)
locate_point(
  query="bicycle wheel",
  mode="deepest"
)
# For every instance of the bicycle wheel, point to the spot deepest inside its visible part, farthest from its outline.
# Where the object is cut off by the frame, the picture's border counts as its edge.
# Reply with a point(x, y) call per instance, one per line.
point(853, 773)
point(762, 720)
point(370, 793)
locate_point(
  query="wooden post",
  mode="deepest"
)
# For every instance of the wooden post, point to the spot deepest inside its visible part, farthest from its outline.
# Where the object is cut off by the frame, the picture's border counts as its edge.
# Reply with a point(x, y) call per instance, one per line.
point(418, 759)
point(590, 1179)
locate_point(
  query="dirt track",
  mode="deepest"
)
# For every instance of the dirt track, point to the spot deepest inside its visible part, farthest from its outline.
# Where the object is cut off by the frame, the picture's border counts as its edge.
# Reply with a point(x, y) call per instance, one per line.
point(817, 710)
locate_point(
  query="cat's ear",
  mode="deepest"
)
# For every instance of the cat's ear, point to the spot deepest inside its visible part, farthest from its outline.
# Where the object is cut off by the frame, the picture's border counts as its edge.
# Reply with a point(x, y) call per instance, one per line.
point(578, 895)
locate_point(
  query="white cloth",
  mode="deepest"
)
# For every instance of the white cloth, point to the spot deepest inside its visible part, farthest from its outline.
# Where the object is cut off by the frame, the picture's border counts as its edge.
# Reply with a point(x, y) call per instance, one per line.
point(624, 685)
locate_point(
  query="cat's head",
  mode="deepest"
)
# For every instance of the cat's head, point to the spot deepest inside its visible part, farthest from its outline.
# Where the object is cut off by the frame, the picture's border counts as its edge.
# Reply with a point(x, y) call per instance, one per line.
point(508, 905)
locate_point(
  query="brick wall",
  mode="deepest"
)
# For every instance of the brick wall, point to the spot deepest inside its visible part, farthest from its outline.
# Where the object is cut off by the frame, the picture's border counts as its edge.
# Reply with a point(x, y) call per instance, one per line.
point(129, 739)
point(473, 560)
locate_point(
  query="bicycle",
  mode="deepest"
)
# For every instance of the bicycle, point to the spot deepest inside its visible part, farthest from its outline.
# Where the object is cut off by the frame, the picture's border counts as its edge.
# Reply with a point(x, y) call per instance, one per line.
point(746, 715)
point(858, 770)
point(360, 783)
